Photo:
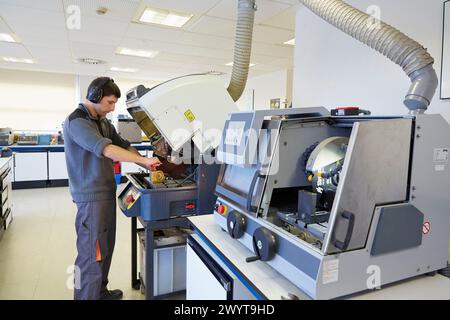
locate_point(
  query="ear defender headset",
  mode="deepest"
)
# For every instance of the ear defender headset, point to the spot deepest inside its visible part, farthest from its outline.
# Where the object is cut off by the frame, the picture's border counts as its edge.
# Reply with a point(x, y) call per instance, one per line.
point(95, 94)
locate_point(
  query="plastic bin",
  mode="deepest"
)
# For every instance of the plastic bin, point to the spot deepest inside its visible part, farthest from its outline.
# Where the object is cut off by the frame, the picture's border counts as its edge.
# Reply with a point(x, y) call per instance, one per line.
point(169, 262)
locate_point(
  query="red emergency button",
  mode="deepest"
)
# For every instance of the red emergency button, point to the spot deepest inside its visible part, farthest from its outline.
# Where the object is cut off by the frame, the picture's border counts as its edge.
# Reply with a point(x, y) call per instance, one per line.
point(130, 198)
point(221, 209)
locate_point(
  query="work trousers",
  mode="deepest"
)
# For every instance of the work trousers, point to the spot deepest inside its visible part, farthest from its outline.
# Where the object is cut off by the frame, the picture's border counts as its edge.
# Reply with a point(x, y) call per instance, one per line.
point(96, 235)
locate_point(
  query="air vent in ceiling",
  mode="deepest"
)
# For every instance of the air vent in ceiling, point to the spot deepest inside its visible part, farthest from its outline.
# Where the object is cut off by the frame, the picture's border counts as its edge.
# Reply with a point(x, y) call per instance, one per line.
point(90, 61)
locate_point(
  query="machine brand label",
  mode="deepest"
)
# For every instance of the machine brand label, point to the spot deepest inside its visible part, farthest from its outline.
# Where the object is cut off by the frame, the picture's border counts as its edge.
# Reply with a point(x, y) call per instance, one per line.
point(330, 271)
point(441, 154)
point(189, 115)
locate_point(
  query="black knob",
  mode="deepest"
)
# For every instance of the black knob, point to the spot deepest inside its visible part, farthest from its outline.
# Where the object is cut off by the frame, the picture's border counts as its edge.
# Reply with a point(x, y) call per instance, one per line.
point(264, 244)
point(236, 224)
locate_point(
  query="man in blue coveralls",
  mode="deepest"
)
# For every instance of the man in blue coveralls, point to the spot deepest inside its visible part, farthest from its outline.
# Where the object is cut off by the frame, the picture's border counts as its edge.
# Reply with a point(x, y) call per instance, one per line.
point(91, 145)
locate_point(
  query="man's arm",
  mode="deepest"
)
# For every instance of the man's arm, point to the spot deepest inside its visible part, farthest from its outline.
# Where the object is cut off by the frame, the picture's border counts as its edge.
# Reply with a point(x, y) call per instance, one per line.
point(116, 153)
point(135, 151)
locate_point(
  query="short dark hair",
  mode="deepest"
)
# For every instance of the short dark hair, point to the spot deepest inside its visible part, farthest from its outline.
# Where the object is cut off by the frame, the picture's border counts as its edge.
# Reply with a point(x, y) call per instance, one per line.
point(109, 87)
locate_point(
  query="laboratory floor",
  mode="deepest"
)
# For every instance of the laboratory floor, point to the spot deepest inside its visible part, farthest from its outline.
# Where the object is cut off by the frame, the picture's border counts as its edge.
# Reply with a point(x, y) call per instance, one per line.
point(38, 250)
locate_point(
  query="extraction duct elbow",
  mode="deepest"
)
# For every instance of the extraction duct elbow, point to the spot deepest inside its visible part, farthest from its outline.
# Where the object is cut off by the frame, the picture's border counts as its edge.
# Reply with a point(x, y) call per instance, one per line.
point(387, 40)
point(243, 48)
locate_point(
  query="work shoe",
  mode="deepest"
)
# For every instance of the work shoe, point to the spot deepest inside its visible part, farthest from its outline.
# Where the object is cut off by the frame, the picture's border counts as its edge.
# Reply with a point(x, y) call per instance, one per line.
point(111, 295)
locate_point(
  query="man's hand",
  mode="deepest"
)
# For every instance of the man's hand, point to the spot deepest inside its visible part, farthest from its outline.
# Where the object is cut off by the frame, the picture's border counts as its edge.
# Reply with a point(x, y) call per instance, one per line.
point(116, 153)
point(148, 163)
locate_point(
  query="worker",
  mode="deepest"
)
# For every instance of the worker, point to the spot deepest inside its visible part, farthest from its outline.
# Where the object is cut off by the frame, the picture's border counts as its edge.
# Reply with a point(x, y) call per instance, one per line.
point(91, 146)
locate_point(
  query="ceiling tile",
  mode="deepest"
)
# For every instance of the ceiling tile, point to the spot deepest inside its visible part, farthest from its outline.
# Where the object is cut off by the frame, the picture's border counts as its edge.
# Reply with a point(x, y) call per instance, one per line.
point(87, 50)
point(272, 50)
point(99, 26)
point(271, 35)
point(136, 30)
point(47, 5)
point(94, 38)
point(284, 19)
point(120, 10)
point(21, 18)
point(16, 50)
point(228, 9)
point(186, 6)
point(200, 40)
point(4, 28)
point(214, 26)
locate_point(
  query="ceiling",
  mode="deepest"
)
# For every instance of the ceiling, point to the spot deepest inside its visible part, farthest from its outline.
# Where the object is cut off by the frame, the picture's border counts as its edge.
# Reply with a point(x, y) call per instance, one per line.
point(205, 43)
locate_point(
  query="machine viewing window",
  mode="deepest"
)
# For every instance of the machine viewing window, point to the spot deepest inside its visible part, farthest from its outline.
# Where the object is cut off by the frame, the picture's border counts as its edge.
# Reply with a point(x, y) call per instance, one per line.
point(144, 122)
point(238, 179)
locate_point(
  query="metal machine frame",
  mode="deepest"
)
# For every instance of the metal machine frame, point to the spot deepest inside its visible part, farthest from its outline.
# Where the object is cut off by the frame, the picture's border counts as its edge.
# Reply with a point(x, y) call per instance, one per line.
point(381, 203)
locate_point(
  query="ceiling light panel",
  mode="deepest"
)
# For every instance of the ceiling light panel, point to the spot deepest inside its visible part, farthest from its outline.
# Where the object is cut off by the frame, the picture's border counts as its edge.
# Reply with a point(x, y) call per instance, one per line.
point(6, 37)
point(165, 17)
point(137, 53)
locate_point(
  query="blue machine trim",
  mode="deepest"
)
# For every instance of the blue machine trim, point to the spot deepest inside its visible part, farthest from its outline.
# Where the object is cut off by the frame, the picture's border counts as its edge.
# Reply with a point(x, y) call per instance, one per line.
point(255, 293)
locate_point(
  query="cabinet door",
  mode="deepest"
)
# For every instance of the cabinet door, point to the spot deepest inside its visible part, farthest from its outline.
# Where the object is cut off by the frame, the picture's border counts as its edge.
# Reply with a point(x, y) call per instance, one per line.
point(57, 168)
point(205, 280)
point(30, 166)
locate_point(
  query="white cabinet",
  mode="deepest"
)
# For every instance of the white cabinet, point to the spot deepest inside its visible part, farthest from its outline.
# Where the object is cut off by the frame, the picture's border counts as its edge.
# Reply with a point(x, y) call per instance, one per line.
point(57, 168)
point(201, 282)
point(30, 166)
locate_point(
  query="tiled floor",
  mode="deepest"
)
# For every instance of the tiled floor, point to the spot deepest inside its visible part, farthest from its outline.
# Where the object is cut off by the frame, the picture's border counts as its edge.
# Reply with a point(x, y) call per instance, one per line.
point(38, 250)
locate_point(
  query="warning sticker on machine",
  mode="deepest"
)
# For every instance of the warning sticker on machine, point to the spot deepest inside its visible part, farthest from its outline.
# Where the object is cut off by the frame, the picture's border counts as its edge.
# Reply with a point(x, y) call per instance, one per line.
point(330, 271)
point(439, 167)
point(189, 115)
point(441, 154)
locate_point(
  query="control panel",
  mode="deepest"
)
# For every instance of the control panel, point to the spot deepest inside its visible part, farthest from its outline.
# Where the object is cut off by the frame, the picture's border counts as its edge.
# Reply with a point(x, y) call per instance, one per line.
point(130, 197)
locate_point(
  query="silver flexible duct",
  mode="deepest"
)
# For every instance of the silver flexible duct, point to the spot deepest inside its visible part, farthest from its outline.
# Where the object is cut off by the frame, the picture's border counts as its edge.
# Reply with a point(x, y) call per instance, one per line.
point(243, 48)
point(402, 50)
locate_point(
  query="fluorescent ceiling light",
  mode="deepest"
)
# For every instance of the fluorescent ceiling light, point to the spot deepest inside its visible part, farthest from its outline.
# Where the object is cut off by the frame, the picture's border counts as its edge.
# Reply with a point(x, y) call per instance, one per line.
point(123, 69)
point(290, 42)
point(12, 59)
point(6, 37)
point(137, 53)
point(165, 17)
point(230, 64)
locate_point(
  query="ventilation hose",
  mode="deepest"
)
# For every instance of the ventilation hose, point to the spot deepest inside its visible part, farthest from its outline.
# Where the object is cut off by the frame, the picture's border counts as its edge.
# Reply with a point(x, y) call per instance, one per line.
point(243, 48)
point(387, 40)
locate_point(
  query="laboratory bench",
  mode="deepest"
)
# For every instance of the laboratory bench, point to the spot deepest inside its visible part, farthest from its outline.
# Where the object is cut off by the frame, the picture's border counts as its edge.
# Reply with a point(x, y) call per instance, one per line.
point(42, 166)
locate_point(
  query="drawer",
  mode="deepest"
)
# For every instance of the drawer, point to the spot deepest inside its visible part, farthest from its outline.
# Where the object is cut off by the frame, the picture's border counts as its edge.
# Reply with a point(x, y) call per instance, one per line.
point(7, 218)
point(5, 179)
point(5, 203)
point(4, 197)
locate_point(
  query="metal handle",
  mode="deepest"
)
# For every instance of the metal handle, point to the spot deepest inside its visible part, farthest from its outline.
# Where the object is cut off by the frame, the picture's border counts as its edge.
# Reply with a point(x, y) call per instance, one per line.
point(5, 174)
point(215, 269)
point(251, 189)
point(351, 223)
point(251, 259)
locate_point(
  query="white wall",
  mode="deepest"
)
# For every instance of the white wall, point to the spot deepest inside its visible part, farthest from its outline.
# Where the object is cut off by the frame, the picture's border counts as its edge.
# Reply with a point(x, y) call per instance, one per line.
point(40, 101)
point(333, 69)
point(266, 87)
point(35, 100)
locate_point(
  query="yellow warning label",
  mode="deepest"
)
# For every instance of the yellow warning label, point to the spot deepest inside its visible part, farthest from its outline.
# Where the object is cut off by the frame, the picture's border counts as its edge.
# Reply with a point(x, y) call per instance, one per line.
point(189, 115)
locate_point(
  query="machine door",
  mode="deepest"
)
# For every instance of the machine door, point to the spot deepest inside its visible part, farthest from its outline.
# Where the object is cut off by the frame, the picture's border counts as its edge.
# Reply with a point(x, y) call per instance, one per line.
point(375, 172)
point(244, 184)
point(205, 279)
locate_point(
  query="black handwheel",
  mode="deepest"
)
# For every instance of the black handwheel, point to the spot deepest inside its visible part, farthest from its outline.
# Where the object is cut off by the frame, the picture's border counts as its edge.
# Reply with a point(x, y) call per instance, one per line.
point(264, 244)
point(236, 224)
